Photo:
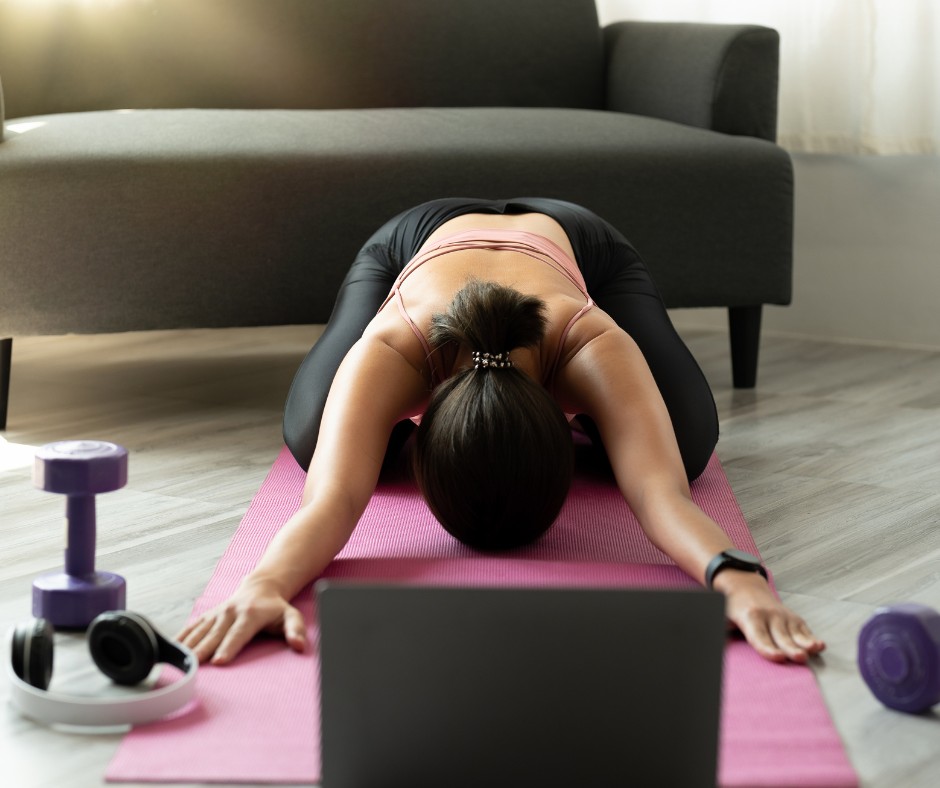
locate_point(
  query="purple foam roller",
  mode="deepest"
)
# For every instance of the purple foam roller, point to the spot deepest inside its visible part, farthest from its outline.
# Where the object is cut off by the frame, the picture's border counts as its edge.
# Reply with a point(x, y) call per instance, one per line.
point(79, 470)
point(899, 656)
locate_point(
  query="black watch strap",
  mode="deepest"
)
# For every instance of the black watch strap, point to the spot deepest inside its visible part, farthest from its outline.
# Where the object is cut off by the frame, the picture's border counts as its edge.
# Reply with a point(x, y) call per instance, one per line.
point(732, 559)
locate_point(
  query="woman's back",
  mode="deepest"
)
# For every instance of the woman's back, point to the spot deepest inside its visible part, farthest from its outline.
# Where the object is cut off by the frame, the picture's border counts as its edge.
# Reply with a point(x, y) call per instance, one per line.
point(530, 253)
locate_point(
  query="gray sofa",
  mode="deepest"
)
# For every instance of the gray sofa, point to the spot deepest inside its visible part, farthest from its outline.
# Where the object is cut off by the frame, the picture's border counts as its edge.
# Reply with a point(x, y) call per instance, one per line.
point(204, 163)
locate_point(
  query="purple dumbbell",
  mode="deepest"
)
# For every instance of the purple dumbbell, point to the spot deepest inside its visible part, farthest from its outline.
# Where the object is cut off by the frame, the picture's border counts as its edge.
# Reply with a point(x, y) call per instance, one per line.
point(79, 470)
point(899, 656)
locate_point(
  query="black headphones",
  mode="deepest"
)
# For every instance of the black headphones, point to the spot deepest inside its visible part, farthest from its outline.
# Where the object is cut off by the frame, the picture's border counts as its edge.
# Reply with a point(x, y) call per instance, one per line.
point(125, 647)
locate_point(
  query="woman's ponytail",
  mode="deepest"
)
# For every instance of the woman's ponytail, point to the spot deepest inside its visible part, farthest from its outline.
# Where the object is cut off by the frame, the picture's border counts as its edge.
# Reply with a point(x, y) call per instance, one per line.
point(493, 453)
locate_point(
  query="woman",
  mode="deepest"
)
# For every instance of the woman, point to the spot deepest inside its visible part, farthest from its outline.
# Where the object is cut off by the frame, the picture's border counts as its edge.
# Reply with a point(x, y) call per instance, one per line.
point(494, 323)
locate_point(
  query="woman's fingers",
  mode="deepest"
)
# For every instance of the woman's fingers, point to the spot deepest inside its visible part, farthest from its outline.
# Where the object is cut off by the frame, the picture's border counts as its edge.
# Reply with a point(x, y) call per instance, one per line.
point(295, 629)
point(273, 617)
point(207, 631)
point(804, 637)
point(775, 631)
point(221, 633)
point(193, 630)
point(755, 627)
point(192, 634)
point(782, 634)
point(236, 637)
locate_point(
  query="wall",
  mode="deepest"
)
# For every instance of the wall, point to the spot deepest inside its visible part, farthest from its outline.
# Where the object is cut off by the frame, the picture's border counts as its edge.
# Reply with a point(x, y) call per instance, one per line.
point(866, 253)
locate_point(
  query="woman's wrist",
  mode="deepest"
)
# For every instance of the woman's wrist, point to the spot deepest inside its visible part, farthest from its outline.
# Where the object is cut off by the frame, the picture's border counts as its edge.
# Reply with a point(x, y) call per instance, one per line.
point(260, 582)
point(730, 580)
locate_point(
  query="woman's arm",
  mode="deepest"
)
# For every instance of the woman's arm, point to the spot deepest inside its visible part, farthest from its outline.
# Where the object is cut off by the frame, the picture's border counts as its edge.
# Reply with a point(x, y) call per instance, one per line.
point(375, 387)
point(609, 380)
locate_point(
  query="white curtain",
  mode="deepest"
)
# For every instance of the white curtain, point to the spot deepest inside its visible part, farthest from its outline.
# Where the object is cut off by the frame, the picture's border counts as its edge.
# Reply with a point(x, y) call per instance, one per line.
point(856, 76)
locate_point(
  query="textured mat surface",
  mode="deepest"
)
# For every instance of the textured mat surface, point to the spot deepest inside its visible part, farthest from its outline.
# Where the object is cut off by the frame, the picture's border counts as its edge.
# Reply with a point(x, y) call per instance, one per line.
point(256, 721)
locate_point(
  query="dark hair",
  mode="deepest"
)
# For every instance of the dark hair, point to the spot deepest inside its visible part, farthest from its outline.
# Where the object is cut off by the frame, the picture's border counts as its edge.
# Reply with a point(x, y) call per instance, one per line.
point(493, 454)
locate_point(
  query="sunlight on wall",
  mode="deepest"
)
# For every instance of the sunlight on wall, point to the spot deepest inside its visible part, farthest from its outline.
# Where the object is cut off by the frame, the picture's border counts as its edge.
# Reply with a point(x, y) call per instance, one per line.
point(50, 3)
point(15, 455)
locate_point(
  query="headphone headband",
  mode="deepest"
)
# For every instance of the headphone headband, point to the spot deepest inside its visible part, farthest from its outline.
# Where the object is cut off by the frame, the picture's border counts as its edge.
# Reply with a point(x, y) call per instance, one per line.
point(53, 708)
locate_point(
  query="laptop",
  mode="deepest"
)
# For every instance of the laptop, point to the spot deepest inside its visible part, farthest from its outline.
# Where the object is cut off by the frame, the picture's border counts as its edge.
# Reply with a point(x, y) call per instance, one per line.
point(508, 688)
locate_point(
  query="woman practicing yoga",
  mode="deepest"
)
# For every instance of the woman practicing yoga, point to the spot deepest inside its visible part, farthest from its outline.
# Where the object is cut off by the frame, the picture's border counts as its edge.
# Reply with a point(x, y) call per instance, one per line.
point(493, 324)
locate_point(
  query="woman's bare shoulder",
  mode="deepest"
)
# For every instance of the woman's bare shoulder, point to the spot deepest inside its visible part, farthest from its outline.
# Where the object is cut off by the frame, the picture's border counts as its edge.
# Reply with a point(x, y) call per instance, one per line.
point(388, 329)
point(375, 377)
point(592, 325)
point(597, 354)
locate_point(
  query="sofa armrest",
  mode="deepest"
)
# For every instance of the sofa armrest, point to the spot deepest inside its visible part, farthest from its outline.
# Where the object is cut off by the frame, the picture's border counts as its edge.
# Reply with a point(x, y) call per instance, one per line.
point(719, 77)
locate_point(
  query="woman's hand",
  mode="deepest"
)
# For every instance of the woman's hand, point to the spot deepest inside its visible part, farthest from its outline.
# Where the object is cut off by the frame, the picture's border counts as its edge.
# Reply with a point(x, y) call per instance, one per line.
point(219, 634)
point(775, 631)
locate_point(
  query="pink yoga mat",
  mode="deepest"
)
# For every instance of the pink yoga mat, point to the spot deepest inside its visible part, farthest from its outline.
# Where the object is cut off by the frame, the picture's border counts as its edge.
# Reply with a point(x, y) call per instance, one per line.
point(257, 720)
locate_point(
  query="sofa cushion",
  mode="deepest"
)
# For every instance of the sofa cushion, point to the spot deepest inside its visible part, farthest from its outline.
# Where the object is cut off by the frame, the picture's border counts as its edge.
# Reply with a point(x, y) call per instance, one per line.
point(296, 54)
point(231, 217)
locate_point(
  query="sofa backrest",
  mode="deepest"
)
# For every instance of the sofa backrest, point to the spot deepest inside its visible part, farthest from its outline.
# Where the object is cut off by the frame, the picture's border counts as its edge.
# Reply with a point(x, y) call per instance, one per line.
point(75, 56)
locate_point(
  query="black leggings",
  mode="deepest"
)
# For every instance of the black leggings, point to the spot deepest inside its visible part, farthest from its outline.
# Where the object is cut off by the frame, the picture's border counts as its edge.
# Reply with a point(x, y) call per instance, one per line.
point(616, 278)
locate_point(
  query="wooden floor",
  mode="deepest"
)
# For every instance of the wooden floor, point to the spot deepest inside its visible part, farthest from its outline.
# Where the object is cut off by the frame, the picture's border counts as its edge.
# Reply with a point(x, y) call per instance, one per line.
point(835, 460)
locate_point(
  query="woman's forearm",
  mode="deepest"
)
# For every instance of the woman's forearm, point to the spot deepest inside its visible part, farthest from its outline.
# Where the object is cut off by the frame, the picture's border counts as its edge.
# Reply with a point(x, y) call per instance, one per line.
point(305, 545)
point(678, 527)
point(299, 552)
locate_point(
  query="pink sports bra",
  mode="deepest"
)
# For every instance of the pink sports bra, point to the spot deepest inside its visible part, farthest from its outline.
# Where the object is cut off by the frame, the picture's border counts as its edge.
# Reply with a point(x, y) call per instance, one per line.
point(535, 246)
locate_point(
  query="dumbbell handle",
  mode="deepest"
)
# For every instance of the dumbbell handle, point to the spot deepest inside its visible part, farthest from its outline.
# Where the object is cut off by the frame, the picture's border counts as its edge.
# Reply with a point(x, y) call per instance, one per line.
point(80, 539)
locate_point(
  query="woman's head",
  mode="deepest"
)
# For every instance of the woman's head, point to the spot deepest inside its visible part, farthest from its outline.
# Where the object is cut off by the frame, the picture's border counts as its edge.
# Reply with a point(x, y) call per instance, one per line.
point(493, 454)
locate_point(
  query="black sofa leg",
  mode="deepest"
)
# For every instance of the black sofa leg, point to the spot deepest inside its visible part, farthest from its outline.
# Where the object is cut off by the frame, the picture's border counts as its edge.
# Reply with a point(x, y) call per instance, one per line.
point(744, 326)
point(6, 359)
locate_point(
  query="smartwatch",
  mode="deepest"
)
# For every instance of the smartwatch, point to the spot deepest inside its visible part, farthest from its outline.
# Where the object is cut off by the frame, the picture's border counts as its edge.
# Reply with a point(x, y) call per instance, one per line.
point(732, 559)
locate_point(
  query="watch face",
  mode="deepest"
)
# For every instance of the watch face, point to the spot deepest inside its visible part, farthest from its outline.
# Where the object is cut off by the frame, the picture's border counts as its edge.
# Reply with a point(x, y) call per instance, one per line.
point(740, 555)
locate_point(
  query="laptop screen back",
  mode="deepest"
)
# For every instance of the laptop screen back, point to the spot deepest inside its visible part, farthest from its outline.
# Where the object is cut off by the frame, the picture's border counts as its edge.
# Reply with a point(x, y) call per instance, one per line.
point(491, 687)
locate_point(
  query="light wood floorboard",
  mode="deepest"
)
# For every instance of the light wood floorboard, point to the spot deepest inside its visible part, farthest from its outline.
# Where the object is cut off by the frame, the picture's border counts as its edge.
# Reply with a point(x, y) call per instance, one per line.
point(834, 458)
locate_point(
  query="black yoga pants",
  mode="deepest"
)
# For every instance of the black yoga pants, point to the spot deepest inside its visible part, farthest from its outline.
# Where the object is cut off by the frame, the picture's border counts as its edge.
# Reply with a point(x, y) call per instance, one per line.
point(616, 278)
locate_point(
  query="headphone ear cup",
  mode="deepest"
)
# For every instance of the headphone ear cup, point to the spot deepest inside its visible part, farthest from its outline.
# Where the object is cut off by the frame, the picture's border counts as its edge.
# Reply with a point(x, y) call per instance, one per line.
point(33, 652)
point(123, 647)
